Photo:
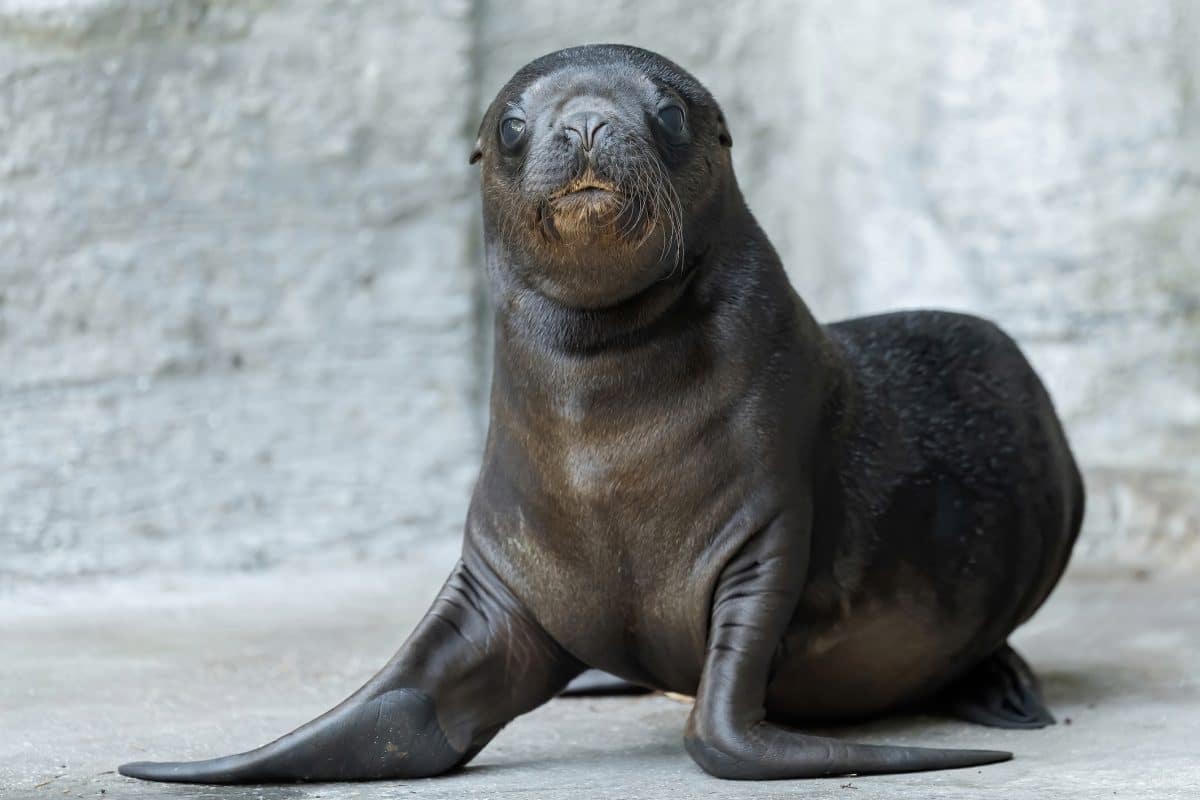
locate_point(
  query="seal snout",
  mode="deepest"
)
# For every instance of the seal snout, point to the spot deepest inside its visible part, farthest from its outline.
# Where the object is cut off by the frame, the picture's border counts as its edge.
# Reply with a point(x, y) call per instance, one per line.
point(586, 127)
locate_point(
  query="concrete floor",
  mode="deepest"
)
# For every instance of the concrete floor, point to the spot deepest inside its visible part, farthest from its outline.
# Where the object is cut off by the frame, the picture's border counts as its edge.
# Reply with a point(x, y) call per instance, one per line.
point(95, 674)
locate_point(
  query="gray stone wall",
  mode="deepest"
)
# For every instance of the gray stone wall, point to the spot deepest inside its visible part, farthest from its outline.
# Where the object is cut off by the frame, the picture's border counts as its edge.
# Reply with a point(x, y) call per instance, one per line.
point(238, 311)
point(241, 319)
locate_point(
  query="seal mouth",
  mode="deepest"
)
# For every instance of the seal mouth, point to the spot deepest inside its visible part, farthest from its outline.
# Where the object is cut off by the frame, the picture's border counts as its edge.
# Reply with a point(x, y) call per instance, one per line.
point(586, 202)
point(587, 190)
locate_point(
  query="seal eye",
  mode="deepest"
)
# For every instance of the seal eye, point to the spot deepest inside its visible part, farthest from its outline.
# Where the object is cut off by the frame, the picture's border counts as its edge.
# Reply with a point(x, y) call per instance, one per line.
point(511, 131)
point(672, 120)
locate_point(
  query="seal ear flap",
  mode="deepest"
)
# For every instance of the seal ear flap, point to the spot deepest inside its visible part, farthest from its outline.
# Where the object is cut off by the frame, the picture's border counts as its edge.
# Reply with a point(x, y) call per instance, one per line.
point(723, 131)
point(477, 152)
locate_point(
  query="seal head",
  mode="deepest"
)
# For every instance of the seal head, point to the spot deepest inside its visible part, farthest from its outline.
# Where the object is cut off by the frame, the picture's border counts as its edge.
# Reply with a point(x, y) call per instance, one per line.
point(590, 156)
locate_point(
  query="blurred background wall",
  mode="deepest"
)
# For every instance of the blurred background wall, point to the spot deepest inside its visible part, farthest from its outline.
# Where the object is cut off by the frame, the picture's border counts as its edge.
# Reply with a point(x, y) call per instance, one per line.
point(241, 315)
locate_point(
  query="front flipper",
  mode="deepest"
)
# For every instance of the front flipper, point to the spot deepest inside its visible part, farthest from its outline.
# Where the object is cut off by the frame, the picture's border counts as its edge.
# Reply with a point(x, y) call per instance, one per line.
point(476, 661)
point(395, 734)
point(1000, 692)
point(727, 732)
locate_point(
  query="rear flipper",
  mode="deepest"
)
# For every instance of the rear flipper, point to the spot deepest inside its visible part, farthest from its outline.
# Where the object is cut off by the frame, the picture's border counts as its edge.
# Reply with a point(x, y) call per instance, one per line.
point(1000, 692)
point(595, 683)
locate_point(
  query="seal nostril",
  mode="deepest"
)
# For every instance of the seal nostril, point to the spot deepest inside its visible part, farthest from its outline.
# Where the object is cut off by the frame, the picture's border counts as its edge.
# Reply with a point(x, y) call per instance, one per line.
point(584, 127)
point(595, 134)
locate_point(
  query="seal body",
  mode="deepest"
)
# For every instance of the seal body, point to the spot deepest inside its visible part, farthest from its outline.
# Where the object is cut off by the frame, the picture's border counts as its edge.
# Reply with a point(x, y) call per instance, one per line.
point(946, 516)
point(945, 503)
point(691, 484)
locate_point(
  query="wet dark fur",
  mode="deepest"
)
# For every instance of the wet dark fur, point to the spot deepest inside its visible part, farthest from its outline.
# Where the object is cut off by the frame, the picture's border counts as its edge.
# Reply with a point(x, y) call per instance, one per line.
point(691, 484)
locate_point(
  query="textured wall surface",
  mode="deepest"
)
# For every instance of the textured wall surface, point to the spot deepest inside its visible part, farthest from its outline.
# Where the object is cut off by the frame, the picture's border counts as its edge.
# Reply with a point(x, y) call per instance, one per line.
point(240, 312)
point(237, 309)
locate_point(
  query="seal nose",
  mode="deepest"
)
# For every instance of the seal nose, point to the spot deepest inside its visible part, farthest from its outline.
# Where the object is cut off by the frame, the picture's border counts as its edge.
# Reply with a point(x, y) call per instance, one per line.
point(586, 126)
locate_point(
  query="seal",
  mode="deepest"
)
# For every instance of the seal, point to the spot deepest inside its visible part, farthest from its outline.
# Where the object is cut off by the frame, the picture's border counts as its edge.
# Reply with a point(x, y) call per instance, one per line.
point(692, 485)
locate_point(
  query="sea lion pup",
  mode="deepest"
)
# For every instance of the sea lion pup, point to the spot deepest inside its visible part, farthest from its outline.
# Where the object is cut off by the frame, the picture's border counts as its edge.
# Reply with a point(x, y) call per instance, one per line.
point(692, 485)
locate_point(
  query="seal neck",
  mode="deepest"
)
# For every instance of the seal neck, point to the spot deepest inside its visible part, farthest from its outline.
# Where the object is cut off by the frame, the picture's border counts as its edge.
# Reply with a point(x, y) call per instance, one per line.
point(731, 303)
point(525, 315)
